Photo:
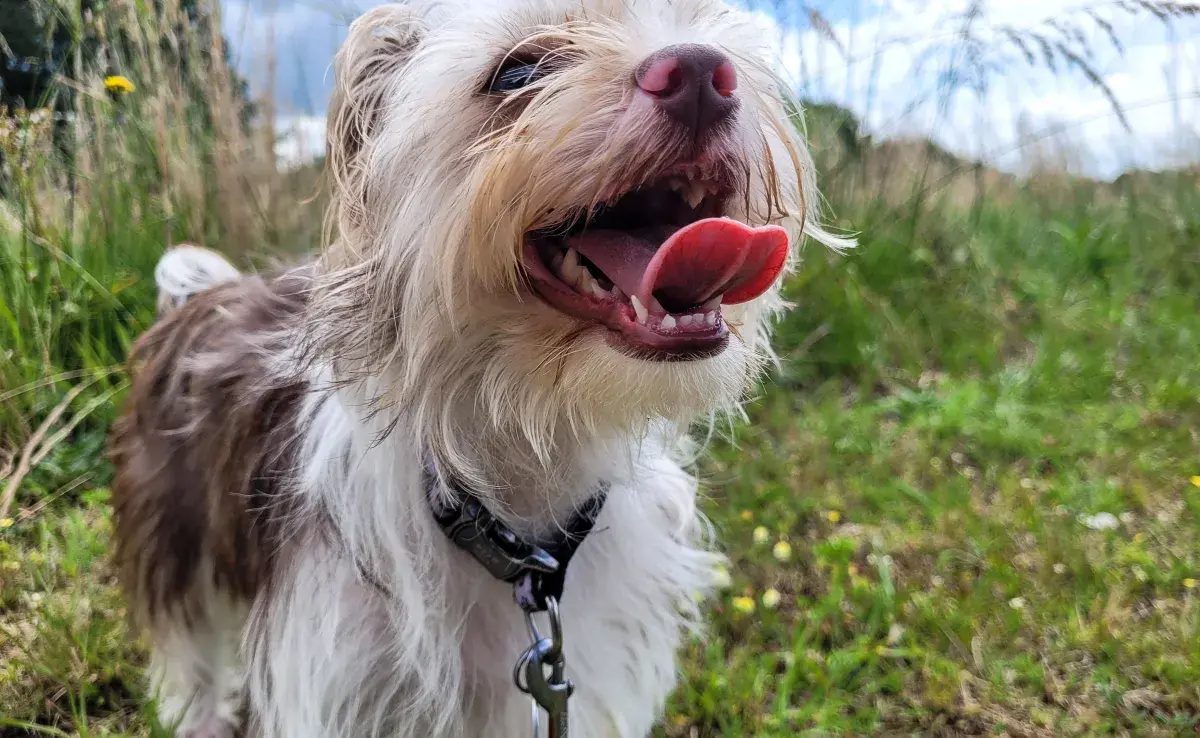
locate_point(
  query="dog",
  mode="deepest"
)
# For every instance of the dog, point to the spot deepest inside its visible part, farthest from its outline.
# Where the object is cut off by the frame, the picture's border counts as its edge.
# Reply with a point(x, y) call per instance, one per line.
point(558, 232)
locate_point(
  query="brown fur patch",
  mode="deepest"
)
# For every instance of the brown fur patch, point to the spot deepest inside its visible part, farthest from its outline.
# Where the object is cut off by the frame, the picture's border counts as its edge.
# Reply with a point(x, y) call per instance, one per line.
point(205, 445)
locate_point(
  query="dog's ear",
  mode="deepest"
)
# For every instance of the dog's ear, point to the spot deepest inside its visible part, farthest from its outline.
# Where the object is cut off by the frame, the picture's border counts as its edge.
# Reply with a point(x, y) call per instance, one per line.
point(380, 43)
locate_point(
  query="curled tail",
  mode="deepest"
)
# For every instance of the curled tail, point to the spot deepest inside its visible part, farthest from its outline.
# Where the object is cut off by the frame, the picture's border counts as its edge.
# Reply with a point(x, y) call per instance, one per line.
point(185, 270)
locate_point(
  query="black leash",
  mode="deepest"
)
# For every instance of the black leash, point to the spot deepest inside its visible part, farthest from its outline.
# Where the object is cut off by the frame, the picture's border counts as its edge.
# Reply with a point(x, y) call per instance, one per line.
point(537, 570)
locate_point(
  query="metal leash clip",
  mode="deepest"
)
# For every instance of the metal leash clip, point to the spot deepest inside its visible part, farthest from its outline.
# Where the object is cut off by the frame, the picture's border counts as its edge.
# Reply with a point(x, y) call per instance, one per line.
point(549, 692)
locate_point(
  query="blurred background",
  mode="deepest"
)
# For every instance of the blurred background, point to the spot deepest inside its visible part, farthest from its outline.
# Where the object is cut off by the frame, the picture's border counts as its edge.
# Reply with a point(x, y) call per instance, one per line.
point(965, 502)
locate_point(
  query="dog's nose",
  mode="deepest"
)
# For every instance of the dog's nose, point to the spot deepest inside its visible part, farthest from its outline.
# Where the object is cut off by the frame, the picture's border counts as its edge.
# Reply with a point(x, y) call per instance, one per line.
point(692, 83)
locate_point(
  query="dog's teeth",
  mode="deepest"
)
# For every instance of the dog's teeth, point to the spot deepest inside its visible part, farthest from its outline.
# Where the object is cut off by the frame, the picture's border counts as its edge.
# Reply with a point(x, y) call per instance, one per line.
point(640, 309)
point(711, 318)
point(698, 319)
point(685, 320)
point(598, 291)
point(668, 323)
point(694, 195)
point(570, 267)
point(617, 294)
point(712, 304)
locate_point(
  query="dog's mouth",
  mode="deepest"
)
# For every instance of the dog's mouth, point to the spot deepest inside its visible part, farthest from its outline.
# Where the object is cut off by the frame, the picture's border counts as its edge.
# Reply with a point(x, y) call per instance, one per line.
point(656, 264)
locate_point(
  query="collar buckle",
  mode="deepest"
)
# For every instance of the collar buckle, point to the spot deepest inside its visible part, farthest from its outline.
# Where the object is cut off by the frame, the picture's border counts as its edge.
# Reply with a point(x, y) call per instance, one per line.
point(504, 554)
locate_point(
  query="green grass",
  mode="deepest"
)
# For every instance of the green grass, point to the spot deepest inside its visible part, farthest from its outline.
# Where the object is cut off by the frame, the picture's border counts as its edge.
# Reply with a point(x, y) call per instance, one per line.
point(955, 403)
point(956, 400)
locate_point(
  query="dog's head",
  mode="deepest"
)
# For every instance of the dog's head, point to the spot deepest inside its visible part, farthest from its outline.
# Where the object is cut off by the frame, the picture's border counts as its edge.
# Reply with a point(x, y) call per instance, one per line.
point(571, 208)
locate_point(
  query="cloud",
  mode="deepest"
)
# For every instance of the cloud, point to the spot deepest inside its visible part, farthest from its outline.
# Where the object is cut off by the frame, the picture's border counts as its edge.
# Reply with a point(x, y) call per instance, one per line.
point(901, 71)
point(890, 62)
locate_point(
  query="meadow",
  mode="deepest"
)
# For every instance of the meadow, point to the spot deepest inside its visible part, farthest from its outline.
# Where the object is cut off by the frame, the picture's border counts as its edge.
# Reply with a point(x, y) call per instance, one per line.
point(966, 501)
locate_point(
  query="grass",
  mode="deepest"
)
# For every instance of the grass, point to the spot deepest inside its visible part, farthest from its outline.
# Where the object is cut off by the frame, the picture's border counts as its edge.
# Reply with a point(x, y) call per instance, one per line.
point(967, 502)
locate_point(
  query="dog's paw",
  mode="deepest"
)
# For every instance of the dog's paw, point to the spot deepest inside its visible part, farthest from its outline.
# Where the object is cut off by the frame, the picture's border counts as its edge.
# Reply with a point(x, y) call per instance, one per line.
point(215, 729)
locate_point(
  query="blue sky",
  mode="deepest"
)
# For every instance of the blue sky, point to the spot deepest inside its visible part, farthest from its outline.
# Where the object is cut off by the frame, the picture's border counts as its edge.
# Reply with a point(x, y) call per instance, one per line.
point(888, 61)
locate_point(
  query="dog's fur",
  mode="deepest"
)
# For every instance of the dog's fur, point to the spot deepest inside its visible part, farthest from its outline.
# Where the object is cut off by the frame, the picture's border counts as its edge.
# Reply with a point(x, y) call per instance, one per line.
point(273, 530)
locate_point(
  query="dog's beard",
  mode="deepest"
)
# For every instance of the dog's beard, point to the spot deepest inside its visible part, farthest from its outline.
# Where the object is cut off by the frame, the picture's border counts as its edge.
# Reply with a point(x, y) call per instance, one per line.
point(448, 286)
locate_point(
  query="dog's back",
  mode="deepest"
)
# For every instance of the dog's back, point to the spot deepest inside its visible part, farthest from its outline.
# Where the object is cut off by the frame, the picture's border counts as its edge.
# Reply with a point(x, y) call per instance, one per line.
point(199, 451)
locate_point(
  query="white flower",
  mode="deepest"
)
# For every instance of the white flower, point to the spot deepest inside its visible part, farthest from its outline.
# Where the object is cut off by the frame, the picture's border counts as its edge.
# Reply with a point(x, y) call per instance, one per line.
point(770, 599)
point(1101, 521)
point(1017, 603)
point(761, 535)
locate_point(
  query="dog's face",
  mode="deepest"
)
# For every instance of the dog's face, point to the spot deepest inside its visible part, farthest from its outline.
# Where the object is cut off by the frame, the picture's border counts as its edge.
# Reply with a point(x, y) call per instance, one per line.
point(574, 205)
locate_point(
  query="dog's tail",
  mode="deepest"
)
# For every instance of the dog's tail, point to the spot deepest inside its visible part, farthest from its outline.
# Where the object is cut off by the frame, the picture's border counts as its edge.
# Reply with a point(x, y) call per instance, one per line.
point(186, 270)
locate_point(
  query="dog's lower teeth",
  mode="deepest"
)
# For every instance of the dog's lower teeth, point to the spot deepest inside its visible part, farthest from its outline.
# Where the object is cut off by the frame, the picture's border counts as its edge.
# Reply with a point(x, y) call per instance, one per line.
point(711, 318)
point(598, 291)
point(640, 309)
point(668, 323)
point(685, 320)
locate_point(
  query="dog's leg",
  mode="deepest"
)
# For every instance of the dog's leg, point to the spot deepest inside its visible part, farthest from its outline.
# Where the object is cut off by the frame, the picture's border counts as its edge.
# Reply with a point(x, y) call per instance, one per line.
point(197, 677)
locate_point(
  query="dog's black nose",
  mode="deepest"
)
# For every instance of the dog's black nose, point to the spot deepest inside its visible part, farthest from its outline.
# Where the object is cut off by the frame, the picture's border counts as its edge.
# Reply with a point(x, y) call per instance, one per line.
point(693, 84)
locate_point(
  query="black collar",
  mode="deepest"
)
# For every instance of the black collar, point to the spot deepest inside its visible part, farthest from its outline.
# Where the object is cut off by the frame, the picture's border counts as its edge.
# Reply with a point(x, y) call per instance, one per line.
point(536, 569)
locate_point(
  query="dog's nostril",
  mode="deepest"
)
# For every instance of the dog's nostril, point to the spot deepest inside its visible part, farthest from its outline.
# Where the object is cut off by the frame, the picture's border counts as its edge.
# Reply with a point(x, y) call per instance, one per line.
point(661, 78)
point(724, 79)
point(692, 83)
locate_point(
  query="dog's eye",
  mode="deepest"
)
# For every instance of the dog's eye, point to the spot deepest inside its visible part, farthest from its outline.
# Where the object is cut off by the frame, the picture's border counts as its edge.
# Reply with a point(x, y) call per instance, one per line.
point(516, 76)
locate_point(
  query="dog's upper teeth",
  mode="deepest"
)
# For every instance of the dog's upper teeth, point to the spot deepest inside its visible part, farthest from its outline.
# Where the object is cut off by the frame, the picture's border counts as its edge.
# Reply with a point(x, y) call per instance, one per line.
point(695, 194)
point(712, 304)
point(668, 323)
point(570, 267)
point(640, 309)
point(598, 291)
point(656, 306)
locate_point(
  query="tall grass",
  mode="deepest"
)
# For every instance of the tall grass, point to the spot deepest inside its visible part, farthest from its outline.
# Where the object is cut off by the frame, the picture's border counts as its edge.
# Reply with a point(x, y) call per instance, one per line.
point(92, 202)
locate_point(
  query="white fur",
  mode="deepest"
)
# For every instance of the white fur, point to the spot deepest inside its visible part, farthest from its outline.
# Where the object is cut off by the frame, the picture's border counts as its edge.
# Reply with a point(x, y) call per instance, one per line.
point(185, 270)
point(195, 671)
point(332, 655)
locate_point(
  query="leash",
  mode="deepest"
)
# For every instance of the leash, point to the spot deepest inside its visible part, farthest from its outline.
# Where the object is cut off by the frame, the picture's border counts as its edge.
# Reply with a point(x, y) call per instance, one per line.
point(537, 570)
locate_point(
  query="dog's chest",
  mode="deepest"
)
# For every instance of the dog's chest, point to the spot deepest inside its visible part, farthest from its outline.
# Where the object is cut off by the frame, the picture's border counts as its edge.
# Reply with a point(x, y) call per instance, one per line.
point(630, 594)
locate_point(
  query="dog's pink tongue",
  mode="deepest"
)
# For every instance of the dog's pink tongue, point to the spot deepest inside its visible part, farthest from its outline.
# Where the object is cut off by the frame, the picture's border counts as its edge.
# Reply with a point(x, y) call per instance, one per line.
point(696, 263)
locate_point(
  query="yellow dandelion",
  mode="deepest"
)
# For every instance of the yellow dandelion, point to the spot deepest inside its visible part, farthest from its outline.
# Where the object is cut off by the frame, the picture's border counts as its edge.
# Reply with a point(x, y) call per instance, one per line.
point(11, 565)
point(761, 535)
point(6, 522)
point(744, 605)
point(747, 515)
point(1189, 583)
point(118, 85)
point(833, 516)
point(782, 551)
point(1195, 480)
point(770, 599)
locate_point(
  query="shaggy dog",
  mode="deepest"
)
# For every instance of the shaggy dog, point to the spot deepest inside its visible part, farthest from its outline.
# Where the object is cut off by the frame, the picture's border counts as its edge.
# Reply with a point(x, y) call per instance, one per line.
point(560, 226)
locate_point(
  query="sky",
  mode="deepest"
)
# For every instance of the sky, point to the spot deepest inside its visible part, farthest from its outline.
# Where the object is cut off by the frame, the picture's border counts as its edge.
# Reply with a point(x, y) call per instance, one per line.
point(901, 66)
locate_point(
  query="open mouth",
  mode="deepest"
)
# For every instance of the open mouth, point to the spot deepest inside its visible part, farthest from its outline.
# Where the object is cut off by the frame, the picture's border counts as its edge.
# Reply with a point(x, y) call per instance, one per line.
point(656, 264)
